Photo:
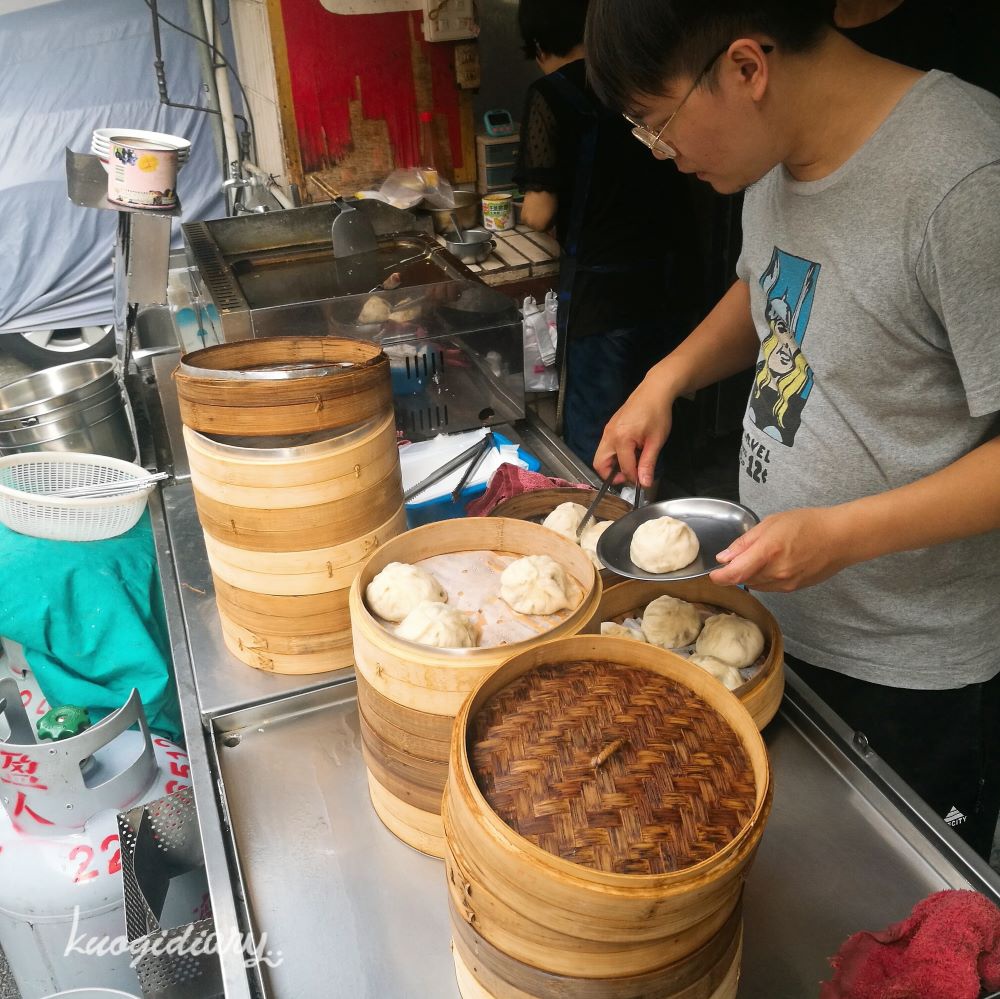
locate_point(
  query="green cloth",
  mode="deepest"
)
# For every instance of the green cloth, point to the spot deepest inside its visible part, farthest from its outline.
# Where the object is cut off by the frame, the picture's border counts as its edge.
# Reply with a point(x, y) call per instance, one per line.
point(90, 617)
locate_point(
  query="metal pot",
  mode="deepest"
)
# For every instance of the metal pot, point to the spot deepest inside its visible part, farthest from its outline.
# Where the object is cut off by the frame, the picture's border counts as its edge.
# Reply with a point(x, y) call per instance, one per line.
point(56, 388)
point(74, 420)
point(466, 210)
point(478, 245)
point(110, 437)
point(21, 421)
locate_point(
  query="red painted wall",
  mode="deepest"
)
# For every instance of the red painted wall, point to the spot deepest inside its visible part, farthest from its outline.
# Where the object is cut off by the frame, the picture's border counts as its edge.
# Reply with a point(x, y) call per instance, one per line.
point(328, 53)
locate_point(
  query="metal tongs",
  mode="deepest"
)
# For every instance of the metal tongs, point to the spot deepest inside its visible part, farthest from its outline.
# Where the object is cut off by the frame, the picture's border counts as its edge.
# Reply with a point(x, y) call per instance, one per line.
point(473, 456)
point(601, 493)
point(640, 496)
point(107, 490)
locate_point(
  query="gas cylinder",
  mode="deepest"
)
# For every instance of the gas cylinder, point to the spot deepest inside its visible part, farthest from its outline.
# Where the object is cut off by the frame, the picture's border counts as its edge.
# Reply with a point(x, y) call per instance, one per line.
point(15, 665)
point(62, 915)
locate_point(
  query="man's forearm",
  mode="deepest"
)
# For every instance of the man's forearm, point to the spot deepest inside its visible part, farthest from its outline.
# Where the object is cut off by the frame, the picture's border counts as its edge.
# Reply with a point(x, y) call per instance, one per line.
point(959, 501)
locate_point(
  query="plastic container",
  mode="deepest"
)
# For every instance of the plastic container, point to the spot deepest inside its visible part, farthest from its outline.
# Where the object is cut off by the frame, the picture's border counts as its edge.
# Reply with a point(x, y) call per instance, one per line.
point(443, 508)
point(25, 479)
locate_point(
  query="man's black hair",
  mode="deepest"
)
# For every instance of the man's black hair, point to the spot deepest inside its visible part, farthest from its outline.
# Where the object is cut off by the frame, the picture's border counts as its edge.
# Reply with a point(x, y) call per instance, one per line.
point(554, 26)
point(635, 46)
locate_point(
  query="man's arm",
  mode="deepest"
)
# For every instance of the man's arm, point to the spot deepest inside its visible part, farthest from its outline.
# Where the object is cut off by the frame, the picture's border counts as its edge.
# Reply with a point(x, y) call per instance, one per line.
point(724, 343)
point(789, 551)
point(539, 211)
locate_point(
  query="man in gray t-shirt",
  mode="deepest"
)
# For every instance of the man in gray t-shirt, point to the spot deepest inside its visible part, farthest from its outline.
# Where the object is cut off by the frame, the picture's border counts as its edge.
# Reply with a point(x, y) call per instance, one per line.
point(868, 306)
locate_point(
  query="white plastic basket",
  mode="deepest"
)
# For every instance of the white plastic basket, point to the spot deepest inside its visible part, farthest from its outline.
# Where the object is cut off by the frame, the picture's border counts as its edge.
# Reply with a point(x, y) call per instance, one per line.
point(25, 506)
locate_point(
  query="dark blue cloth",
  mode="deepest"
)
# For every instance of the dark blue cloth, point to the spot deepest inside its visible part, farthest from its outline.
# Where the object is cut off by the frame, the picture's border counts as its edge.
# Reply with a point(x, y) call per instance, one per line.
point(602, 371)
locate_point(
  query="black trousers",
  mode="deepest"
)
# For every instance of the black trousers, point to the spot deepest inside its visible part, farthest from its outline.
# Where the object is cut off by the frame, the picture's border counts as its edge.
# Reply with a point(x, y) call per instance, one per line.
point(944, 743)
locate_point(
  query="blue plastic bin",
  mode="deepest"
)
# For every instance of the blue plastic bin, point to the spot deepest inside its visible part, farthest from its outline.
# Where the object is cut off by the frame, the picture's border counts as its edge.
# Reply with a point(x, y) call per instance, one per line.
point(442, 508)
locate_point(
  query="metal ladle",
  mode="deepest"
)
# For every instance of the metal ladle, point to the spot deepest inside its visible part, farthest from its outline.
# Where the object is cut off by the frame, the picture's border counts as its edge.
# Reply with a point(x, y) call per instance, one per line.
point(458, 228)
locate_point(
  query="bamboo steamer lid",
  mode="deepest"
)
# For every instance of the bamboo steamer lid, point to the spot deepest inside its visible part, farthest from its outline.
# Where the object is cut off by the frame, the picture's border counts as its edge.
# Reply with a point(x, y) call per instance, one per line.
point(625, 845)
point(612, 766)
point(761, 694)
point(282, 385)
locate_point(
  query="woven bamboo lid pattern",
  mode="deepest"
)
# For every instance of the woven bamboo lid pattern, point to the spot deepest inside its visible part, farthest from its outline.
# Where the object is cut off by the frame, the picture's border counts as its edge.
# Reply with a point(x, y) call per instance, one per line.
point(612, 767)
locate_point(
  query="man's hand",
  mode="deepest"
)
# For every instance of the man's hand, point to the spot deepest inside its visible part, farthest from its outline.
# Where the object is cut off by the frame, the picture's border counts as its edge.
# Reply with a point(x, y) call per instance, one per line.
point(789, 551)
point(640, 427)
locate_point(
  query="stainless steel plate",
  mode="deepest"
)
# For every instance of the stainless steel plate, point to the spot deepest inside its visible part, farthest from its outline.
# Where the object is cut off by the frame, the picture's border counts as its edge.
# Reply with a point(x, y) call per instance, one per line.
point(717, 524)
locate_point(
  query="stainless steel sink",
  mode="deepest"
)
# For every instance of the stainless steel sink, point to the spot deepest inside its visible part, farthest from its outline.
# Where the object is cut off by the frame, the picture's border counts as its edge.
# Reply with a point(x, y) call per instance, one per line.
point(254, 263)
point(155, 334)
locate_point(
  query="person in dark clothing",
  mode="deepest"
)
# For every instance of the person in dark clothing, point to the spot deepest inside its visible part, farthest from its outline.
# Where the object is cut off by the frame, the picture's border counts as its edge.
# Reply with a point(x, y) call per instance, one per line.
point(961, 37)
point(619, 217)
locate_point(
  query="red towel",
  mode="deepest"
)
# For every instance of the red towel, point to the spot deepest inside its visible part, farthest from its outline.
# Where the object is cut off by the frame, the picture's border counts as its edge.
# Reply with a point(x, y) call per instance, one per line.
point(508, 481)
point(947, 948)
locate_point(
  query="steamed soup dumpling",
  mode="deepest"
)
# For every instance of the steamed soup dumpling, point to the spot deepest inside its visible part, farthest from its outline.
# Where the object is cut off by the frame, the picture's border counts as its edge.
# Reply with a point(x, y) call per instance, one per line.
point(565, 519)
point(535, 584)
point(670, 623)
point(731, 638)
point(723, 672)
point(439, 625)
point(589, 538)
point(399, 587)
point(616, 630)
point(663, 545)
point(375, 310)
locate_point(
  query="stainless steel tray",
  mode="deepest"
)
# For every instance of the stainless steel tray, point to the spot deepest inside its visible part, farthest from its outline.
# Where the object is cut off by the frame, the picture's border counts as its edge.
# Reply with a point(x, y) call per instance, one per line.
point(354, 912)
point(716, 522)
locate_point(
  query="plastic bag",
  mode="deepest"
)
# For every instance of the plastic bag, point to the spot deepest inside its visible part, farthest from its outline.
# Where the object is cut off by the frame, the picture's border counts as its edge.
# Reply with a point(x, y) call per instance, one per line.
point(540, 338)
point(407, 188)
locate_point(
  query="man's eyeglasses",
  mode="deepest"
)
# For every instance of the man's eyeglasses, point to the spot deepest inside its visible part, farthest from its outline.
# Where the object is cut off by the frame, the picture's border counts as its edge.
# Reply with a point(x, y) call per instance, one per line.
point(654, 141)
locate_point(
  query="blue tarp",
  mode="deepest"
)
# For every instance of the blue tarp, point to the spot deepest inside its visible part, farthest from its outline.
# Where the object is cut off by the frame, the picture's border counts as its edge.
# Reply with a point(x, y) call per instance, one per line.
point(67, 68)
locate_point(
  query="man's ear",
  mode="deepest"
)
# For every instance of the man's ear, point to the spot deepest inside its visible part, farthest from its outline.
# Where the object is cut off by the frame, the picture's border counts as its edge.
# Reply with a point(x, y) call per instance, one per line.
point(747, 58)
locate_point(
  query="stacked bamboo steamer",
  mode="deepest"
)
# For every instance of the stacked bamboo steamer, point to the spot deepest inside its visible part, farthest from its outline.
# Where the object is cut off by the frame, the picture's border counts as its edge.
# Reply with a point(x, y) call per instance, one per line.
point(761, 694)
point(409, 694)
point(588, 855)
point(292, 447)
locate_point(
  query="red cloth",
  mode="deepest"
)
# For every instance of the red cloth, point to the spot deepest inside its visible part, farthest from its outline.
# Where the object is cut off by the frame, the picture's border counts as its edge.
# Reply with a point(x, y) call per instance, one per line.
point(509, 480)
point(947, 948)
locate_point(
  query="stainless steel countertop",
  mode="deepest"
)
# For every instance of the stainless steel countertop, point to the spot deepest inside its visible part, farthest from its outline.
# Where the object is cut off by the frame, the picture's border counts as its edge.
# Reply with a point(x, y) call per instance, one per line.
point(292, 846)
point(355, 912)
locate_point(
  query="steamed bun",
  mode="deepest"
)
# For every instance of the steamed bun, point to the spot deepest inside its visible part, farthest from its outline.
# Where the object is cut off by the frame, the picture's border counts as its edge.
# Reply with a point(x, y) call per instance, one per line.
point(399, 587)
point(616, 630)
point(375, 310)
point(723, 672)
point(731, 638)
point(565, 519)
point(589, 538)
point(439, 625)
point(535, 584)
point(663, 545)
point(670, 623)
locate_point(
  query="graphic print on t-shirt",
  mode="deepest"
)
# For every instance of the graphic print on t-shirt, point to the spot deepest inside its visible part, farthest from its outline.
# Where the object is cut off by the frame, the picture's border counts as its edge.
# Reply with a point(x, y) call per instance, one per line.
point(783, 379)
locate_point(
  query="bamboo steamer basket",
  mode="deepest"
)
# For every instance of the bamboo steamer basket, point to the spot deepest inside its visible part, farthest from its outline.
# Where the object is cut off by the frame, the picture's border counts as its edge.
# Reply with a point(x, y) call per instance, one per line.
point(486, 972)
point(282, 385)
point(568, 919)
point(287, 530)
point(408, 694)
point(538, 504)
point(761, 694)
